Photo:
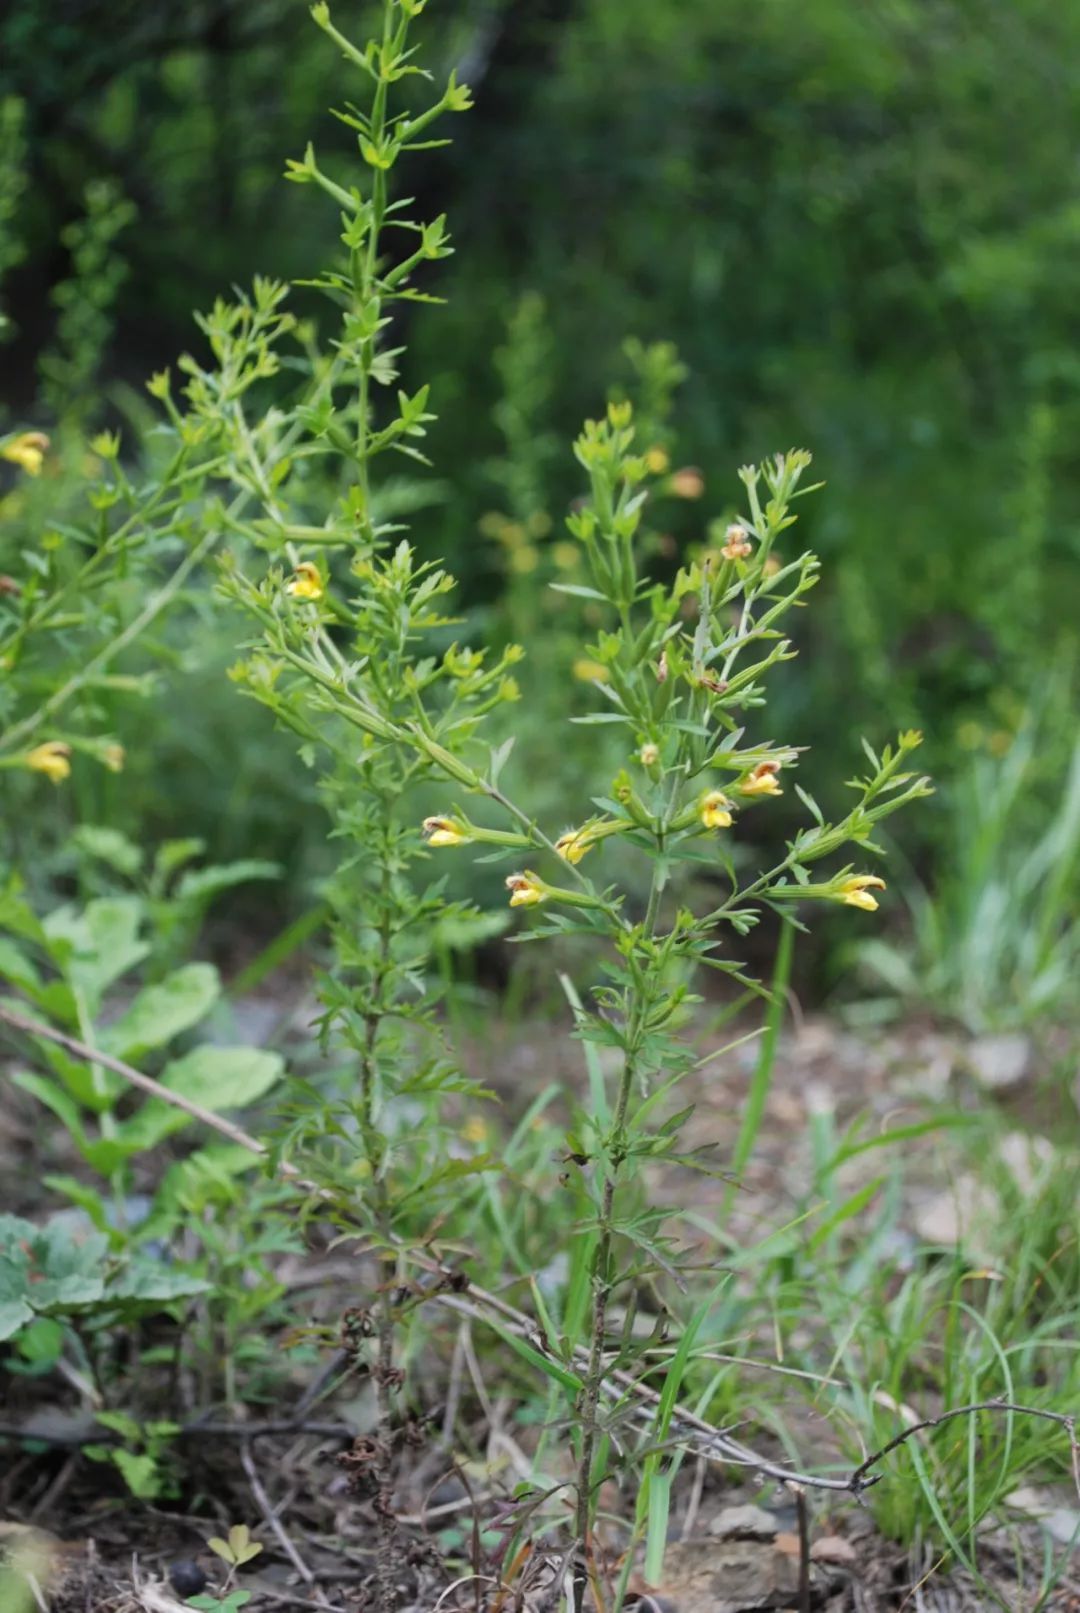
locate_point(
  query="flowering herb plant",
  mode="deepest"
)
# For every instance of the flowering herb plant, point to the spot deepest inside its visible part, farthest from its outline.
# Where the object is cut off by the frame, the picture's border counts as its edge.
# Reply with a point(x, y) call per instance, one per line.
point(353, 650)
point(279, 437)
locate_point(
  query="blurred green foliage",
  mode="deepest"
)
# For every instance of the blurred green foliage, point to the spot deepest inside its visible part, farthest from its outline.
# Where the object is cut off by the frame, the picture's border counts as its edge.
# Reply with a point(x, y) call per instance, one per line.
point(857, 225)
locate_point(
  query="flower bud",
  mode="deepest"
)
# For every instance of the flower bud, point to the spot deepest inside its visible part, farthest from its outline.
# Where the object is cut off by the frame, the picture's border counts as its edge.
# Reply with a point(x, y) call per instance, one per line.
point(737, 545)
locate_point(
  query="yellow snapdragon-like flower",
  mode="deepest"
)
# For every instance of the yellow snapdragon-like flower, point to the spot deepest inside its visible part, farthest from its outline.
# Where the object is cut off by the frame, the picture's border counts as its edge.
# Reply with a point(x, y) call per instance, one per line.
point(113, 756)
point(445, 832)
point(27, 450)
point(525, 890)
point(657, 461)
point(52, 758)
point(573, 845)
point(761, 780)
point(306, 583)
point(715, 810)
point(649, 754)
point(855, 892)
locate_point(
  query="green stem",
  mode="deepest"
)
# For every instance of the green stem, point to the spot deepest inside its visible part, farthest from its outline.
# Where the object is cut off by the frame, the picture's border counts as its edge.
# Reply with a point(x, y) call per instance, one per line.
point(153, 607)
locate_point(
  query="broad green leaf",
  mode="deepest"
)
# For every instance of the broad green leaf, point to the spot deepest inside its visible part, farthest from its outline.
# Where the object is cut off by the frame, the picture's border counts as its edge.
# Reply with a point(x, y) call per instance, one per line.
point(102, 942)
point(14, 1314)
point(17, 915)
point(86, 1197)
point(149, 1281)
point(17, 967)
point(140, 1473)
point(224, 1077)
point(172, 855)
point(109, 846)
point(163, 1011)
point(78, 1077)
point(215, 1077)
point(203, 883)
point(108, 1154)
point(53, 1096)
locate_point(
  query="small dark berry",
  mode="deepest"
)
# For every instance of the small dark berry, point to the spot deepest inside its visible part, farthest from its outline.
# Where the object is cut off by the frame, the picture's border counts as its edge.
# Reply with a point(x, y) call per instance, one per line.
point(187, 1578)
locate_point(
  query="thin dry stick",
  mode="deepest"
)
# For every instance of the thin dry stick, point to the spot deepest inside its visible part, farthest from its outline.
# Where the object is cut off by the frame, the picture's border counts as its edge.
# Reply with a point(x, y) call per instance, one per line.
point(146, 1083)
point(858, 1480)
point(92, 1434)
point(804, 1546)
point(273, 1522)
point(698, 1435)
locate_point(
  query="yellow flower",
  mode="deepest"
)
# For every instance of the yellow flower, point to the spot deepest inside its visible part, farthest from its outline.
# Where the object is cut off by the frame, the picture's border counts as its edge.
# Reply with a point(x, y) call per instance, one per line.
point(524, 559)
point(525, 890)
point(493, 524)
point(715, 810)
point(474, 1130)
point(26, 450)
point(113, 757)
point(590, 671)
point(761, 780)
point(856, 891)
point(657, 461)
point(738, 545)
point(51, 758)
point(573, 845)
point(687, 483)
point(649, 754)
point(307, 582)
point(445, 832)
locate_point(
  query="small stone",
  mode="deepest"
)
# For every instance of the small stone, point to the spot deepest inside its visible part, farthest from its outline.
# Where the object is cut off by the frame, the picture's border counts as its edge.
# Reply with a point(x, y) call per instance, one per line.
point(833, 1549)
point(1063, 1525)
point(187, 1578)
point(744, 1523)
point(1001, 1061)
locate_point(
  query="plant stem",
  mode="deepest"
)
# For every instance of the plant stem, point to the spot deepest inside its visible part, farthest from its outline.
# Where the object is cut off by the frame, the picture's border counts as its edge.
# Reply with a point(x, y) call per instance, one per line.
point(153, 607)
point(602, 1283)
point(602, 1286)
point(382, 1371)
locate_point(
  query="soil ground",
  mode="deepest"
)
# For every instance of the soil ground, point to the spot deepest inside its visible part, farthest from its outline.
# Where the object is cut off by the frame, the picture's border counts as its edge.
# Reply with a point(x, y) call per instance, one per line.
point(735, 1546)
